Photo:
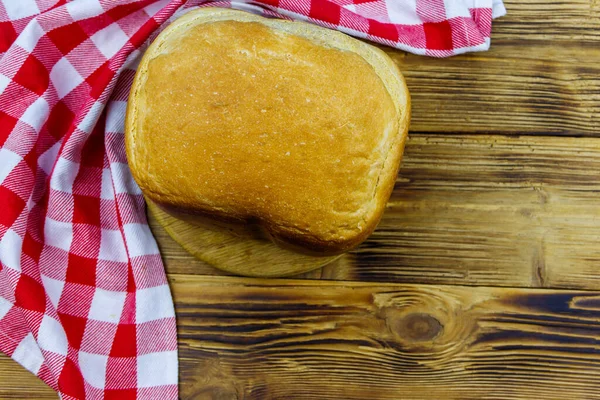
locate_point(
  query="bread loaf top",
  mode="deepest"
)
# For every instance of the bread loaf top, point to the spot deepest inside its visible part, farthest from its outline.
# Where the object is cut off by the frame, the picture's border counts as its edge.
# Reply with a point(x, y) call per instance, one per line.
point(292, 127)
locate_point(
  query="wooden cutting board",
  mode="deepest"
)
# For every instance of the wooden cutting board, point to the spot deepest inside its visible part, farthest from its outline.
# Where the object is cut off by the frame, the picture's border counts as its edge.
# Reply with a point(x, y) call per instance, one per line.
point(483, 279)
point(235, 252)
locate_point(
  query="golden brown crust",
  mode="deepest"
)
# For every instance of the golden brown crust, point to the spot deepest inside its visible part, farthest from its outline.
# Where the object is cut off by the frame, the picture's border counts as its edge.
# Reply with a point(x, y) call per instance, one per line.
point(292, 127)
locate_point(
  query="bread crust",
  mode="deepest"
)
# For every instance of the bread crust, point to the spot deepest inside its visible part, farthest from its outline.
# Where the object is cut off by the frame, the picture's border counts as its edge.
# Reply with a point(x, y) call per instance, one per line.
point(282, 210)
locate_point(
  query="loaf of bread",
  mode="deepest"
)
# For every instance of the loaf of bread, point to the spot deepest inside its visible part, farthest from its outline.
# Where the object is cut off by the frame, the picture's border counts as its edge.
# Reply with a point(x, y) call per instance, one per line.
point(291, 128)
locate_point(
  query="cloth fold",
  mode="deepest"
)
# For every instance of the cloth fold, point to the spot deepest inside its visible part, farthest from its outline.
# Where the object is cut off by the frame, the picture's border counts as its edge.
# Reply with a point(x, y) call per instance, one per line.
point(84, 300)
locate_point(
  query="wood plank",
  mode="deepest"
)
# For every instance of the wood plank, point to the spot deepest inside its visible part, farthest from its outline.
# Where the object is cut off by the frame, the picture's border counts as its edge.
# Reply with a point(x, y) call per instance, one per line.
point(475, 210)
point(490, 211)
point(541, 76)
point(250, 339)
point(280, 339)
point(18, 383)
point(576, 20)
point(520, 87)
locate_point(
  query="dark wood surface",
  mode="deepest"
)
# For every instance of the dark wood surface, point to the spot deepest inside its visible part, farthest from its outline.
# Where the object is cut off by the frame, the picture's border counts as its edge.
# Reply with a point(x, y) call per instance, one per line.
point(322, 340)
point(483, 279)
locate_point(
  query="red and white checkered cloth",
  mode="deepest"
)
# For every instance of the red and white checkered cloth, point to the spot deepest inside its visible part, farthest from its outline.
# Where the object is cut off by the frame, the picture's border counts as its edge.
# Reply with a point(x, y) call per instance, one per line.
point(84, 301)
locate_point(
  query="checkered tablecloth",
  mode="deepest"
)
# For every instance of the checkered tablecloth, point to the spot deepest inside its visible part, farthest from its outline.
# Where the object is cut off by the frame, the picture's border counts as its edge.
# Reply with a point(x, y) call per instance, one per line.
point(84, 301)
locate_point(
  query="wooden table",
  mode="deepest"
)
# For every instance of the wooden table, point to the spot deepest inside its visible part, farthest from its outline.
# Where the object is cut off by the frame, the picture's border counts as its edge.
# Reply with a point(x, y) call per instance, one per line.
point(483, 279)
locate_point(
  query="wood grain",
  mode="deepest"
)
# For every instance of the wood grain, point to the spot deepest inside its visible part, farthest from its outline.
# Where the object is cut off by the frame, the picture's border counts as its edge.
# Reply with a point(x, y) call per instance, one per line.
point(572, 21)
point(541, 76)
point(242, 338)
point(18, 383)
point(477, 210)
point(520, 87)
point(248, 339)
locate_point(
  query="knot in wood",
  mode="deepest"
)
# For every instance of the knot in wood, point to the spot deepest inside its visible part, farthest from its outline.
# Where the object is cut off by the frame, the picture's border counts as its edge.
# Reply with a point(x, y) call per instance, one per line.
point(418, 327)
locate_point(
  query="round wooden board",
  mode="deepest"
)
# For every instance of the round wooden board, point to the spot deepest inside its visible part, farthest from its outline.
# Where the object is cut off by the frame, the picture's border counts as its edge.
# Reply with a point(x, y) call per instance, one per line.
point(238, 255)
